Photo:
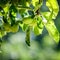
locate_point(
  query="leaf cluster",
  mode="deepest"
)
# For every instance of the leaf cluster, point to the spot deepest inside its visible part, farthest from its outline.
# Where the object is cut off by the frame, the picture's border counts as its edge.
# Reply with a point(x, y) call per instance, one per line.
point(29, 15)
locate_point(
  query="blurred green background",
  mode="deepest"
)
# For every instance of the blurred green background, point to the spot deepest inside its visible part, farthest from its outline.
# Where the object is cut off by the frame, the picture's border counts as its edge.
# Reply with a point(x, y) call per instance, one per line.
point(42, 47)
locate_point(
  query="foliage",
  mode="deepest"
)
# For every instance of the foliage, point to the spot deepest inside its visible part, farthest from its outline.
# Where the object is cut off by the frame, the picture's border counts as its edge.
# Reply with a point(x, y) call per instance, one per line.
point(29, 15)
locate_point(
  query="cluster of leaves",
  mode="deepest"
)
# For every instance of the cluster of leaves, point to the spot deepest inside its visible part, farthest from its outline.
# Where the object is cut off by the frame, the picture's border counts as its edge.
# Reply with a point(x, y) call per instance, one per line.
point(29, 15)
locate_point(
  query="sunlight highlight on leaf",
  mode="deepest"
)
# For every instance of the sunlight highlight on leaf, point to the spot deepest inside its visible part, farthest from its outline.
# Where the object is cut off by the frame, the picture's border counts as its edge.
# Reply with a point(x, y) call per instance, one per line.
point(52, 30)
point(53, 6)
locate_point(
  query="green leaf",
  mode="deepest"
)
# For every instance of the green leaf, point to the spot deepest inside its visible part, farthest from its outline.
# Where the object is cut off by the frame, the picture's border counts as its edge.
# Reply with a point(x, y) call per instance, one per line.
point(39, 22)
point(27, 39)
point(22, 2)
point(53, 6)
point(36, 2)
point(14, 28)
point(47, 15)
point(2, 33)
point(21, 11)
point(38, 5)
point(38, 27)
point(7, 27)
point(37, 31)
point(52, 30)
point(13, 10)
point(25, 26)
point(6, 8)
point(27, 20)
